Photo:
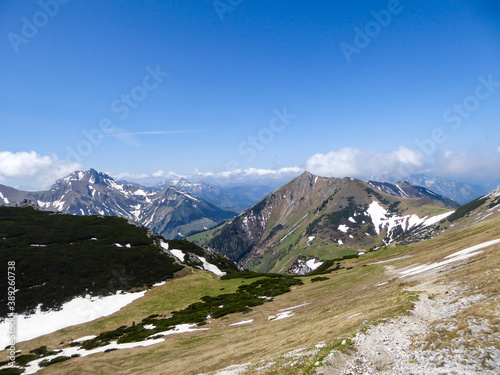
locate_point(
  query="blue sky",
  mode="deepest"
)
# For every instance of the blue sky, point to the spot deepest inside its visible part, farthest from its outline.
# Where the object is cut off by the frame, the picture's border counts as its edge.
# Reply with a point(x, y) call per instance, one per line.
point(253, 89)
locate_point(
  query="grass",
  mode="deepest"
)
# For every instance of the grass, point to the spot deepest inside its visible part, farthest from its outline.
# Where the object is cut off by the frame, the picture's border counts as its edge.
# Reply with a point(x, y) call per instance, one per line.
point(318, 251)
point(337, 308)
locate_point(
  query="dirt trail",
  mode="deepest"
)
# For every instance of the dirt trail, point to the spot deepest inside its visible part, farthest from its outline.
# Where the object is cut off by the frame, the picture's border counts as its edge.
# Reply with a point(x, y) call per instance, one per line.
point(399, 346)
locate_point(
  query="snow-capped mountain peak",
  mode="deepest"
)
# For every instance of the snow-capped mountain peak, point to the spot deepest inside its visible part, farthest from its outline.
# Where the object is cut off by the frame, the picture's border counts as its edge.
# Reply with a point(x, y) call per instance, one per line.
point(170, 212)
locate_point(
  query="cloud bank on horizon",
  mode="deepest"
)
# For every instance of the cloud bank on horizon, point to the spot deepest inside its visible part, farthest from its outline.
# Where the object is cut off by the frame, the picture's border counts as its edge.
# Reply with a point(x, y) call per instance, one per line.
point(29, 170)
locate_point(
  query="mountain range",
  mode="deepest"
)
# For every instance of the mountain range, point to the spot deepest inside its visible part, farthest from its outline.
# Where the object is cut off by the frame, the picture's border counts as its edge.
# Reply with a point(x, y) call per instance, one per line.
point(378, 312)
point(314, 217)
point(459, 191)
point(171, 212)
point(231, 198)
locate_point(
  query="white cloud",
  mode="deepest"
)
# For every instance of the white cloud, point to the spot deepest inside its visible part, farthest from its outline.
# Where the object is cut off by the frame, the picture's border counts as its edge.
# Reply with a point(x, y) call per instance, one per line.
point(354, 162)
point(398, 164)
point(467, 164)
point(236, 176)
point(32, 169)
point(160, 173)
point(249, 175)
point(145, 178)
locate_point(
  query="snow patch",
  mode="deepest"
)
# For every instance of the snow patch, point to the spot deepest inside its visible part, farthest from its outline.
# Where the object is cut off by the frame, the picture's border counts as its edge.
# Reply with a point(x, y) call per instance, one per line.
point(210, 267)
point(181, 328)
point(178, 254)
point(77, 311)
point(455, 257)
point(294, 307)
point(241, 323)
point(311, 263)
point(436, 219)
point(85, 338)
point(343, 228)
point(33, 366)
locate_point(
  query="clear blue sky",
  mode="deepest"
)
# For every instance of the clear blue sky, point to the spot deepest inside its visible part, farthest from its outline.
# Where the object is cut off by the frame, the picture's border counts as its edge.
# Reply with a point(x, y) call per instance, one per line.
point(230, 69)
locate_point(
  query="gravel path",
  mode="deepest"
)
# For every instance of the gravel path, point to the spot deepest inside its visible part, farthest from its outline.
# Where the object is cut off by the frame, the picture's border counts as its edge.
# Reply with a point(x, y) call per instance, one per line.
point(398, 346)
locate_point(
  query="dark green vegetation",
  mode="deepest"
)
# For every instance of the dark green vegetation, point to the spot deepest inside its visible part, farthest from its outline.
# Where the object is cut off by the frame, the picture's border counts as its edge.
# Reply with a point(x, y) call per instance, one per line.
point(326, 267)
point(11, 371)
point(54, 361)
point(319, 278)
point(232, 241)
point(334, 219)
point(223, 263)
point(254, 294)
point(58, 257)
point(464, 210)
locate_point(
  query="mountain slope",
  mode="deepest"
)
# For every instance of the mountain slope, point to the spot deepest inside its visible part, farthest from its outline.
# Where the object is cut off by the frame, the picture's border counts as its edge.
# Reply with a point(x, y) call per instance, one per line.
point(319, 217)
point(369, 316)
point(232, 198)
point(407, 190)
point(62, 256)
point(460, 192)
point(171, 213)
point(477, 211)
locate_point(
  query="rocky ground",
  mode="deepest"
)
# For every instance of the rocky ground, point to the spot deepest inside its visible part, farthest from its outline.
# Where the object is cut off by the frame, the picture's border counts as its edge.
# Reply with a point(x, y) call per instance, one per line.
point(404, 345)
point(452, 329)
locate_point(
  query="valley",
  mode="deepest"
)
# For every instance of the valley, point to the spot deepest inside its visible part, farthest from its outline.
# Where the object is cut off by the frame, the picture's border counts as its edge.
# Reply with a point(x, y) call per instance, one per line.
point(201, 313)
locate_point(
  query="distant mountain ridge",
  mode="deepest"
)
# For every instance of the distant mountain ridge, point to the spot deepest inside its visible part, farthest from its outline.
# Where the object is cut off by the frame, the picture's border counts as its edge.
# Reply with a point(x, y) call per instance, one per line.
point(460, 192)
point(233, 198)
point(314, 215)
point(171, 213)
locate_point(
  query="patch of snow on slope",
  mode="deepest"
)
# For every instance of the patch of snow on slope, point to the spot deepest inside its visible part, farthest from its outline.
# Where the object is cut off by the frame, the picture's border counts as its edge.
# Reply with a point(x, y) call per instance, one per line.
point(311, 263)
point(241, 323)
point(378, 215)
point(284, 315)
point(164, 245)
point(178, 254)
point(343, 228)
point(455, 257)
point(141, 192)
point(181, 328)
point(352, 220)
point(383, 220)
point(6, 201)
point(33, 366)
point(59, 204)
point(85, 338)
point(210, 267)
point(294, 307)
point(403, 192)
point(77, 311)
point(436, 219)
point(189, 196)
